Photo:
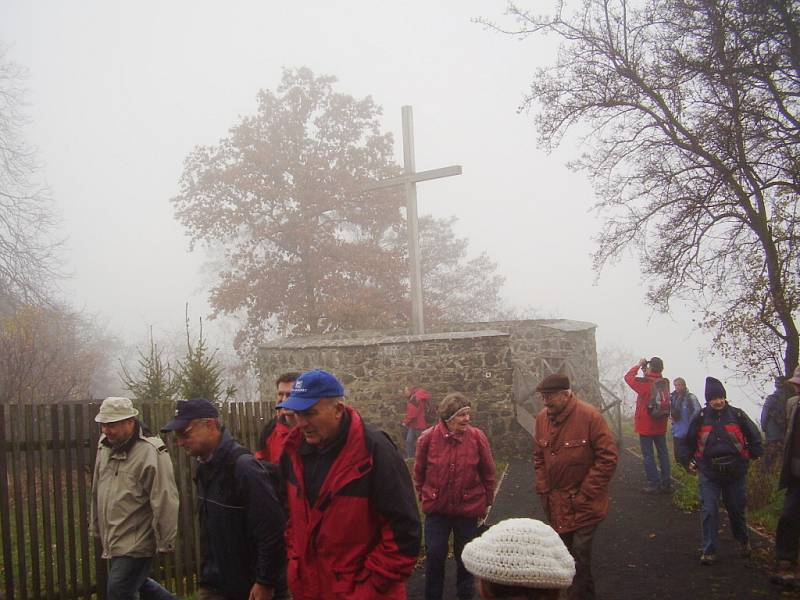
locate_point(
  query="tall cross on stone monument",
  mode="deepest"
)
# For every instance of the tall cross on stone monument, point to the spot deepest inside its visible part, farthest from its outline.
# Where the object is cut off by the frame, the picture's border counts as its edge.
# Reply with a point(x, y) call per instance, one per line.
point(409, 180)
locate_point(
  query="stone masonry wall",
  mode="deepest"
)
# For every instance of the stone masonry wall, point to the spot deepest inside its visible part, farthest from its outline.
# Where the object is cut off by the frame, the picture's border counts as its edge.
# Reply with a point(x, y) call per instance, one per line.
point(375, 368)
point(540, 347)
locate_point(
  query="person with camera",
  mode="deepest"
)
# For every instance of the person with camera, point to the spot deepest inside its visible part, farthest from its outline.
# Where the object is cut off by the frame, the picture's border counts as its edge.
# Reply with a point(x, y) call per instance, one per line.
point(650, 421)
point(722, 440)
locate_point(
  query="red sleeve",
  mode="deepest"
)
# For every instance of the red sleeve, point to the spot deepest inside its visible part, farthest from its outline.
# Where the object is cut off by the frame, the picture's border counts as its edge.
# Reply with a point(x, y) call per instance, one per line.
point(486, 467)
point(640, 387)
point(538, 462)
point(421, 461)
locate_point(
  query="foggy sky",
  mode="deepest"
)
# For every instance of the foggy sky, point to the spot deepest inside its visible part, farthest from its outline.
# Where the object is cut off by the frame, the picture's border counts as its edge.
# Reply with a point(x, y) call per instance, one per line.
point(120, 92)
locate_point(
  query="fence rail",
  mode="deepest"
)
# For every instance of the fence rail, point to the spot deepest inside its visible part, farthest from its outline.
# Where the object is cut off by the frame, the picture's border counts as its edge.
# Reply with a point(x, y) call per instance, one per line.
point(47, 457)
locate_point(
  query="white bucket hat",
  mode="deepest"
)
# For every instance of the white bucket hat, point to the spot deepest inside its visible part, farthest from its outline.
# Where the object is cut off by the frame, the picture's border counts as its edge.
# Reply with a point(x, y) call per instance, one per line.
point(115, 409)
point(520, 552)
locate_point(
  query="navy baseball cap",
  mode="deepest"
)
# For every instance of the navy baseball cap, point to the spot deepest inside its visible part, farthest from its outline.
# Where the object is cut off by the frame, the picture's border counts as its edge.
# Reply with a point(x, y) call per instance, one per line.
point(188, 410)
point(310, 388)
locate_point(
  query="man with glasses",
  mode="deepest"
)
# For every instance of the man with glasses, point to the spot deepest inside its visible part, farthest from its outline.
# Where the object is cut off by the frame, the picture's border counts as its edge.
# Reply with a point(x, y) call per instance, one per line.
point(134, 504)
point(574, 457)
point(241, 521)
point(353, 524)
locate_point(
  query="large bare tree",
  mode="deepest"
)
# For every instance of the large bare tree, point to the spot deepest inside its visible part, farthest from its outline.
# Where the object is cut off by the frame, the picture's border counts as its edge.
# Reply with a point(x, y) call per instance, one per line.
point(689, 112)
point(27, 254)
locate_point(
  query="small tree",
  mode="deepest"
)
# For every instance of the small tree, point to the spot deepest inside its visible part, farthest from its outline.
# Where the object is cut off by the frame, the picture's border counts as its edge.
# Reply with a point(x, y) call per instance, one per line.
point(199, 375)
point(156, 380)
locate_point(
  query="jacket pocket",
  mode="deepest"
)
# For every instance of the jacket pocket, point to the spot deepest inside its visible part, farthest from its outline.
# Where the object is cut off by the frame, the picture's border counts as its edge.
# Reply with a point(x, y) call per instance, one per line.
point(343, 581)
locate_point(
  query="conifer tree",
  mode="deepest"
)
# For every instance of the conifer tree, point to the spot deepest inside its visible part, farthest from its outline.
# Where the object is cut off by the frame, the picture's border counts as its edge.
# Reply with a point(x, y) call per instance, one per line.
point(156, 380)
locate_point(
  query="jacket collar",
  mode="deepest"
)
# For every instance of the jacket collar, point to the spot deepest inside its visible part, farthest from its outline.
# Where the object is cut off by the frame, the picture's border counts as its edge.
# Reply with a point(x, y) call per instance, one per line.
point(222, 450)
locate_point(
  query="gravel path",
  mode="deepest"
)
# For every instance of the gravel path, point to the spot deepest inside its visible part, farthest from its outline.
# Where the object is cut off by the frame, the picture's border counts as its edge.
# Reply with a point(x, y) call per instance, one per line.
point(645, 549)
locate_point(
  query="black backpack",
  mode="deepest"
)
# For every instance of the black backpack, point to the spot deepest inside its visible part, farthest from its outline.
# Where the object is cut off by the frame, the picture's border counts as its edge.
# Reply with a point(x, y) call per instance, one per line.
point(658, 406)
point(273, 472)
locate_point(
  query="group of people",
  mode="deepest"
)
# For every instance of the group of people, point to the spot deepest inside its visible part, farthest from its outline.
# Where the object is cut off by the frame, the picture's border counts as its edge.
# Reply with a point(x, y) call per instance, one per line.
point(717, 442)
point(327, 507)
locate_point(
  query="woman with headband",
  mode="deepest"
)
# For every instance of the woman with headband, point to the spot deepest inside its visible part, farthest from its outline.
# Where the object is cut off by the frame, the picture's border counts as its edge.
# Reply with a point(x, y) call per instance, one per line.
point(454, 476)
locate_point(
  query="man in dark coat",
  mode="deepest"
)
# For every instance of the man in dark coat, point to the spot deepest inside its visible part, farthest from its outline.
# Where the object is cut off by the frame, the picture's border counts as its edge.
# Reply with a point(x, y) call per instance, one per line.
point(241, 521)
point(722, 441)
point(787, 535)
point(575, 456)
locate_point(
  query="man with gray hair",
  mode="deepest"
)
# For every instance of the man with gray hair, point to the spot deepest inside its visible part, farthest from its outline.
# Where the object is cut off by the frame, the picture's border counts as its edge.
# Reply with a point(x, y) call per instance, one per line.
point(134, 503)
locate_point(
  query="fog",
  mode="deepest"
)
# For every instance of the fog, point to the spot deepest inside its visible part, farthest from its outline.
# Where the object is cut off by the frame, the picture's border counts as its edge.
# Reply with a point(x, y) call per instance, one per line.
point(120, 92)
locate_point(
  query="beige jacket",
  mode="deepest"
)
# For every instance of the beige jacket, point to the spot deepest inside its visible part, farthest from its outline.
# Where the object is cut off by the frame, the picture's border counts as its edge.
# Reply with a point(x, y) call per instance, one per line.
point(134, 504)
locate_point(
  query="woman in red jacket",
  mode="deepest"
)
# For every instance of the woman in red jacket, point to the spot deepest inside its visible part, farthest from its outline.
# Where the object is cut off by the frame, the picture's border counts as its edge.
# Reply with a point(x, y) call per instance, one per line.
point(454, 477)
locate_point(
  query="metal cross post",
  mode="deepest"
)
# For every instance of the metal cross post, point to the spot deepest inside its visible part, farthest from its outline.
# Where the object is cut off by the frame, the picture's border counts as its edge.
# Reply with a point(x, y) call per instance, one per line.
point(409, 180)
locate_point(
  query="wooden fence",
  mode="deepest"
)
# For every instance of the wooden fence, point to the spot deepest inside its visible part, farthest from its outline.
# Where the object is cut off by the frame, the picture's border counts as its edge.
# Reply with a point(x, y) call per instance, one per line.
point(47, 457)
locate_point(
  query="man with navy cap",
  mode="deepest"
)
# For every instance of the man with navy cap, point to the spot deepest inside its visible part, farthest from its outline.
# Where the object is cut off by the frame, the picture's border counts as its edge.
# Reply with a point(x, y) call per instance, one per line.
point(241, 521)
point(353, 528)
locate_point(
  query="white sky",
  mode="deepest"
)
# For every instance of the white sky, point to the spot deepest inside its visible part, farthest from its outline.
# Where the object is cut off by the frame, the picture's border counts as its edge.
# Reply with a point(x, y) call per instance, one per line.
point(120, 92)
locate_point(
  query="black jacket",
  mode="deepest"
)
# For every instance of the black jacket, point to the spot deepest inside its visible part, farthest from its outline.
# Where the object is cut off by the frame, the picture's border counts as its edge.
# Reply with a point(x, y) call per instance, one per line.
point(241, 523)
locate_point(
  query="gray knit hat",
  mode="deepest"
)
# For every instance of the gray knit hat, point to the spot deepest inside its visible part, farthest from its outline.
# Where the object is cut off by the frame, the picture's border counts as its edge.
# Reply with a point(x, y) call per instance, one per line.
point(520, 552)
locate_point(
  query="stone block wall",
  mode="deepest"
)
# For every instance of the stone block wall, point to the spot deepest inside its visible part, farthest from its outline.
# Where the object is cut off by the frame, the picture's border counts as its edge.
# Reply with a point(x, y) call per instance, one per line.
point(540, 347)
point(375, 367)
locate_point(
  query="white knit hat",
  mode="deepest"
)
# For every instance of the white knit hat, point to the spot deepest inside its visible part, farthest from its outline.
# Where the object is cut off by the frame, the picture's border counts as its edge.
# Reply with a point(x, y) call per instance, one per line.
point(521, 552)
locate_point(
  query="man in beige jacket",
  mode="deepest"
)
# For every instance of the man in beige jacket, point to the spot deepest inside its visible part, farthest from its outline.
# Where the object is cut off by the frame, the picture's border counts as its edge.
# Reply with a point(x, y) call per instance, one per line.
point(134, 505)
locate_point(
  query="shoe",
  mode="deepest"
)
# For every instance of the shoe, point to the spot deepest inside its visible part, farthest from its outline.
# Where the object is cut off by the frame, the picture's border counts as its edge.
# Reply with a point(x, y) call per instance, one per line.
point(651, 489)
point(745, 550)
point(708, 559)
point(666, 489)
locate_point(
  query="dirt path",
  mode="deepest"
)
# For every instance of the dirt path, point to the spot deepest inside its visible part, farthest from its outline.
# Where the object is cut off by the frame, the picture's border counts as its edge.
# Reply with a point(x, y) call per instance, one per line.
point(645, 549)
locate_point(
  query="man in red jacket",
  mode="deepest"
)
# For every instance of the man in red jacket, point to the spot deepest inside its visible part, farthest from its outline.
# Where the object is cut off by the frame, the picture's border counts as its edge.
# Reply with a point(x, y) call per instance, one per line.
point(652, 432)
point(353, 529)
point(273, 436)
point(415, 421)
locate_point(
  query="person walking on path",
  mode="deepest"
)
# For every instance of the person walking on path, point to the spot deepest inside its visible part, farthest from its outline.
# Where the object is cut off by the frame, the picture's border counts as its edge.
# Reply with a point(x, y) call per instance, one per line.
point(415, 420)
point(273, 436)
point(683, 406)
point(652, 431)
point(787, 535)
point(773, 421)
point(722, 440)
point(241, 521)
point(574, 458)
point(454, 474)
point(353, 528)
point(520, 558)
point(134, 503)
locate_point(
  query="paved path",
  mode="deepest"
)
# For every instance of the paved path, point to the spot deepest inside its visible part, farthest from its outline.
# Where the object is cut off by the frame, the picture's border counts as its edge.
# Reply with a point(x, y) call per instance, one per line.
point(645, 549)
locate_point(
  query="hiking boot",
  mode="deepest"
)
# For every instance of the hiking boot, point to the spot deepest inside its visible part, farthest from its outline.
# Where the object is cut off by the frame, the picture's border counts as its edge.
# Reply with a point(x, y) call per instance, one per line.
point(708, 559)
point(745, 550)
point(651, 489)
point(666, 489)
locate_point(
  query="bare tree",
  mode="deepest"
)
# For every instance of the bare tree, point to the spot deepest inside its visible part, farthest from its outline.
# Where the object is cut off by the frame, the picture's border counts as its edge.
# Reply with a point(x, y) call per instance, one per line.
point(27, 255)
point(690, 117)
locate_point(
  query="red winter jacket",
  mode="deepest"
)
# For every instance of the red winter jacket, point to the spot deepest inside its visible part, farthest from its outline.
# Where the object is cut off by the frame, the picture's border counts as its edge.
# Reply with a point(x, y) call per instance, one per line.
point(272, 440)
point(454, 473)
point(360, 539)
point(415, 410)
point(643, 423)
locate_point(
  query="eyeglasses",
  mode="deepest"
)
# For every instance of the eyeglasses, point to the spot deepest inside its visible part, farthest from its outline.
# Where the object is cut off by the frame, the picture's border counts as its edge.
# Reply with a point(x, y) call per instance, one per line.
point(182, 434)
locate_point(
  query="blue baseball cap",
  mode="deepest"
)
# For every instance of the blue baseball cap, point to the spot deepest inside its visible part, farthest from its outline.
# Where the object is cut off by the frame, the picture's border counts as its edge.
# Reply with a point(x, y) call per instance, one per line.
point(189, 410)
point(310, 388)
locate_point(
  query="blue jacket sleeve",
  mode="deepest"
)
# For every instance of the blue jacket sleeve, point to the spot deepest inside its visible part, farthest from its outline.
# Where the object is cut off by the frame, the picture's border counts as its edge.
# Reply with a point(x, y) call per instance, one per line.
point(266, 521)
point(752, 434)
